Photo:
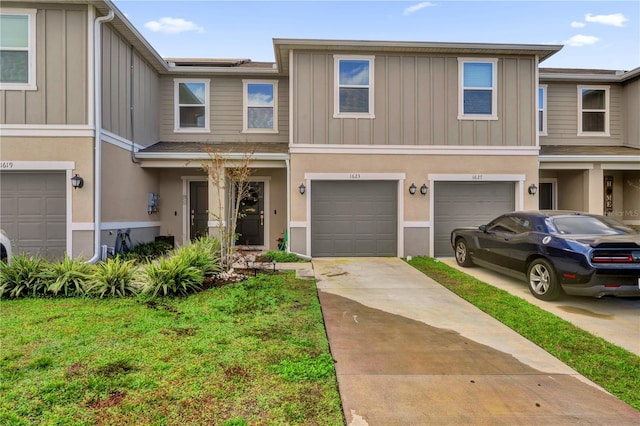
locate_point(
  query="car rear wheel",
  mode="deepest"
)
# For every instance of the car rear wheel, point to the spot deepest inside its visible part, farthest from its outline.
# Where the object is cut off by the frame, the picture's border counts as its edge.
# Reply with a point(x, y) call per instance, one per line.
point(543, 281)
point(462, 253)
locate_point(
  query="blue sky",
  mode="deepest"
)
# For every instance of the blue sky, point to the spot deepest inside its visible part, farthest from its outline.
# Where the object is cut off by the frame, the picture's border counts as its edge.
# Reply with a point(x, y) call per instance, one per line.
point(596, 34)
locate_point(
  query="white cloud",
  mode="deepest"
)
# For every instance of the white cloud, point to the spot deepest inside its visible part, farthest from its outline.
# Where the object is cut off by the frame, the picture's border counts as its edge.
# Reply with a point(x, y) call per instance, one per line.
point(172, 26)
point(615, 19)
point(575, 24)
point(416, 7)
point(580, 40)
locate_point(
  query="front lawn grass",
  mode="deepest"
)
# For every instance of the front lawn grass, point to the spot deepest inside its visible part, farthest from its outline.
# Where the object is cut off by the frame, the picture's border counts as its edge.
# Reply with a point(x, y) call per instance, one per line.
point(612, 367)
point(254, 353)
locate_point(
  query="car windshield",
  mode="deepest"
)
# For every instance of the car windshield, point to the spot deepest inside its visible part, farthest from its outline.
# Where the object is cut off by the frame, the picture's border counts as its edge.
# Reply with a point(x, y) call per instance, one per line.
point(589, 225)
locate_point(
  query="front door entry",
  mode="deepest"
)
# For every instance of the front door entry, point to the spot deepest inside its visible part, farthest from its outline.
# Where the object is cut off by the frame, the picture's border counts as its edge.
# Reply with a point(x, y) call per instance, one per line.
point(198, 213)
point(250, 227)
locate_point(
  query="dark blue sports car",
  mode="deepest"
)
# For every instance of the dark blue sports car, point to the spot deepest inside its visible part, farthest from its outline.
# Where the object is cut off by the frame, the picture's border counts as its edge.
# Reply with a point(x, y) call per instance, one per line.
point(556, 252)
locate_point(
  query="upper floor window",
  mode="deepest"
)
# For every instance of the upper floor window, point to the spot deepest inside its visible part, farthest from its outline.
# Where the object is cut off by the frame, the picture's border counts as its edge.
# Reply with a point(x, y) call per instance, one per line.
point(542, 110)
point(477, 89)
point(260, 106)
point(191, 105)
point(593, 110)
point(353, 86)
point(17, 49)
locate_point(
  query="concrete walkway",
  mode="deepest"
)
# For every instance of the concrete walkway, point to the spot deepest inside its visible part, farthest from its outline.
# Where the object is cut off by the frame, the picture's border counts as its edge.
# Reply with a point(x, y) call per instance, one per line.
point(410, 352)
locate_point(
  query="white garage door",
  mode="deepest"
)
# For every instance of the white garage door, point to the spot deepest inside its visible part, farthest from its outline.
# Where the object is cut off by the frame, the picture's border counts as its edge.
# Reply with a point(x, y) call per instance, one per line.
point(459, 204)
point(33, 212)
point(354, 218)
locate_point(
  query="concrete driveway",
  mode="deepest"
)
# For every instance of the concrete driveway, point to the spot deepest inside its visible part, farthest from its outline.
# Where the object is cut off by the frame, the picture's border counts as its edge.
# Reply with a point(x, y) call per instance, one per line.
point(616, 320)
point(410, 352)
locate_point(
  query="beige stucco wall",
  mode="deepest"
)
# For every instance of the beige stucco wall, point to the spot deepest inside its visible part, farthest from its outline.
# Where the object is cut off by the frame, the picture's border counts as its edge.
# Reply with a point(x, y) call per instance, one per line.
point(78, 150)
point(417, 169)
point(125, 186)
point(171, 184)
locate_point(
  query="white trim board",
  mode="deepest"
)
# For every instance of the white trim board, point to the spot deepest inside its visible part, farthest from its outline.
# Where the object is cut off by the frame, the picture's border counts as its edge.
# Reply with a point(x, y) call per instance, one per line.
point(37, 165)
point(119, 141)
point(46, 130)
point(108, 226)
point(413, 150)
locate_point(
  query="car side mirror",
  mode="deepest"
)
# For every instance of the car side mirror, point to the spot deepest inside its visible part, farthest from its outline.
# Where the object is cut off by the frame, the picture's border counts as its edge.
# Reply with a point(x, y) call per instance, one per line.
point(482, 228)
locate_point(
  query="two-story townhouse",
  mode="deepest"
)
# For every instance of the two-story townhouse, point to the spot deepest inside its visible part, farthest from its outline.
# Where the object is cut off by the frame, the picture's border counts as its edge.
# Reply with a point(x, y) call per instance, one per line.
point(83, 95)
point(356, 147)
point(590, 142)
point(396, 143)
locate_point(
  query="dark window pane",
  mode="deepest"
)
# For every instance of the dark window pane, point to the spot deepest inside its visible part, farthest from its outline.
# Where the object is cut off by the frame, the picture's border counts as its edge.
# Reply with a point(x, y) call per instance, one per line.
point(593, 121)
point(14, 67)
point(541, 120)
point(477, 101)
point(260, 118)
point(593, 99)
point(192, 117)
point(354, 100)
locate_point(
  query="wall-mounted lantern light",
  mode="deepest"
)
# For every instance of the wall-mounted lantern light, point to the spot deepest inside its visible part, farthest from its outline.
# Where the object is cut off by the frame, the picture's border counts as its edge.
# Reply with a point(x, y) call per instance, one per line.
point(532, 189)
point(424, 189)
point(77, 182)
point(412, 189)
point(302, 188)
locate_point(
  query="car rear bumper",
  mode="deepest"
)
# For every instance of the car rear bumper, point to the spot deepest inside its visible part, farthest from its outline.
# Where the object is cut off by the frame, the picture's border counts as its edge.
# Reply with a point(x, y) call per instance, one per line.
point(627, 285)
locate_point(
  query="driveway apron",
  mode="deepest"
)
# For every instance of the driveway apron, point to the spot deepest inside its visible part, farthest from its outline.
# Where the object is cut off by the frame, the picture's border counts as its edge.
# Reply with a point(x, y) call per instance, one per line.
point(410, 352)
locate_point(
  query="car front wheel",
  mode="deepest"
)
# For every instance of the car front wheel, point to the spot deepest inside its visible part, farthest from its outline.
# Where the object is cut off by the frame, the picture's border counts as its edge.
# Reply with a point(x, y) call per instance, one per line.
point(462, 253)
point(543, 282)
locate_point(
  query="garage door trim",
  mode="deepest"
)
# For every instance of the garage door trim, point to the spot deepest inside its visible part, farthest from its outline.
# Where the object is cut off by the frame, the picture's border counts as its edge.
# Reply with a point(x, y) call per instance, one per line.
point(41, 166)
point(518, 179)
point(355, 176)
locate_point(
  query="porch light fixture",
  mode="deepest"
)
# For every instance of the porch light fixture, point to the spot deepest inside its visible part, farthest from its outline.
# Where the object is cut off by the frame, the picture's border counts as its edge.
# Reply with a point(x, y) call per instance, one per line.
point(77, 182)
point(532, 189)
point(302, 188)
point(424, 189)
point(412, 189)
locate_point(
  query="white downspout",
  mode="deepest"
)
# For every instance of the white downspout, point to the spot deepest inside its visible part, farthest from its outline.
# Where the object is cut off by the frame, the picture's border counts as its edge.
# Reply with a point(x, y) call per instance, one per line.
point(288, 245)
point(97, 122)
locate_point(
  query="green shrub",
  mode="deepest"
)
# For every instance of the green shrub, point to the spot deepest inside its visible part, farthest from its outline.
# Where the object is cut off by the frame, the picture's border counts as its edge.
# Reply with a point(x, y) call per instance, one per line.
point(114, 277)
point(147, 251)
point(204, 254)
point(23, 277)
point(279, 256)
point(172, 276)
point(68, 277)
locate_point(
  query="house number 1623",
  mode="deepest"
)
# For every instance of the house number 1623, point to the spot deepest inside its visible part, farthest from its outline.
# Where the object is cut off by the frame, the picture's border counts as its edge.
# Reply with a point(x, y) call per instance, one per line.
point(354, 175)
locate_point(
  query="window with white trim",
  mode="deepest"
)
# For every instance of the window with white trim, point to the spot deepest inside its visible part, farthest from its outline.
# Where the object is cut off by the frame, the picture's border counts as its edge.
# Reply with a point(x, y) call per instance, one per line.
point(593, 110)
point(191, 105)
point(542, 110)
point(353, 95)
point(477, 89)
point(260, 106)
point(17, 49)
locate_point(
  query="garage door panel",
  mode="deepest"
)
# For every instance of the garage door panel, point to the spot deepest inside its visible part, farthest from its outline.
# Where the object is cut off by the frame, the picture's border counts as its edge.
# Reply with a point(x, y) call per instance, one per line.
point(33, 212)
point(354, 218)
point(460, 204)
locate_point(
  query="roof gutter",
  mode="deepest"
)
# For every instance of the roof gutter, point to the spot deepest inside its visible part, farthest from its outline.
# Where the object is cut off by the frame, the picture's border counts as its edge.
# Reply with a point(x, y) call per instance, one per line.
point(97, 143)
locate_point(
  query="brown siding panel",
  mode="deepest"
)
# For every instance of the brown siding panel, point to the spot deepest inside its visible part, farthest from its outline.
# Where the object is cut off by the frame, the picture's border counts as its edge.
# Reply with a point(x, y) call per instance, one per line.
point(416, 103)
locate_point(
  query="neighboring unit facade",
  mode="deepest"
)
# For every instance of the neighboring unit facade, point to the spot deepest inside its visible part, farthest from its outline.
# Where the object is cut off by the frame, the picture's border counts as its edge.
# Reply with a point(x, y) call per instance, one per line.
point(356, 148)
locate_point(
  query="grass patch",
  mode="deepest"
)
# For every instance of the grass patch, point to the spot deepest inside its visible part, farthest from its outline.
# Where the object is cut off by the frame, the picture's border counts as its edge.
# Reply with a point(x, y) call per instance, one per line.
point(279, 256)
point(612, 367)
point(249, 353)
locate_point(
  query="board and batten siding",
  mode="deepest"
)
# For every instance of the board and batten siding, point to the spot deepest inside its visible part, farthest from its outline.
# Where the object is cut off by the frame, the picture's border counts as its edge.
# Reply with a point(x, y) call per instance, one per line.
point(416, 103)
point(117, 91)
point(631, 98)
point(225, 110)
point(562, 116)
point(61, 71)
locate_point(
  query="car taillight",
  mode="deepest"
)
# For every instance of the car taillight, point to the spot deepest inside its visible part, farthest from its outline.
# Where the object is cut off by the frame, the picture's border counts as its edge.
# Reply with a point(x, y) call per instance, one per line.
point(612, 258)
